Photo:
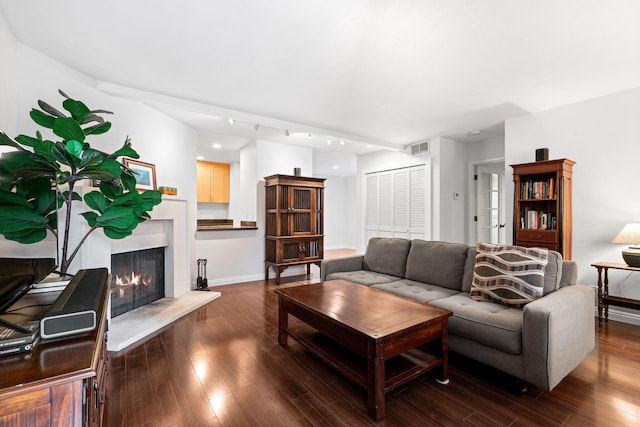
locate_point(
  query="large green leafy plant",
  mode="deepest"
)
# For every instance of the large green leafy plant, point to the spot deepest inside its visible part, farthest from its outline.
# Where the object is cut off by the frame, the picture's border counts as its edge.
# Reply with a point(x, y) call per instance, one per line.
point(39, 176)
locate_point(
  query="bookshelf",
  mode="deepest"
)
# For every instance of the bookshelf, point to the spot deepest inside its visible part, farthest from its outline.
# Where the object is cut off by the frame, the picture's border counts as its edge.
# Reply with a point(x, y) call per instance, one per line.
point(542, 205)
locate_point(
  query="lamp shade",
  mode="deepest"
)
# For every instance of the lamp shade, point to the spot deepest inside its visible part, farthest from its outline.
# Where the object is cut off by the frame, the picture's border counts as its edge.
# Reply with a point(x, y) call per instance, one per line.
point(630, 234)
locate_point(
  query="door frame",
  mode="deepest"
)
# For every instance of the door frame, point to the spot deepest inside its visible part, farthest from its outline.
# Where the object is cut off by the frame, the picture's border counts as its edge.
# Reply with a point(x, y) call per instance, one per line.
point(472, 228)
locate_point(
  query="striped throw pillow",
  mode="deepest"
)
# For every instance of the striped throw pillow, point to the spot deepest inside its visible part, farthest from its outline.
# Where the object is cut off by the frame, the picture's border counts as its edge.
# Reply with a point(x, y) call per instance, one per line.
point(510, 275)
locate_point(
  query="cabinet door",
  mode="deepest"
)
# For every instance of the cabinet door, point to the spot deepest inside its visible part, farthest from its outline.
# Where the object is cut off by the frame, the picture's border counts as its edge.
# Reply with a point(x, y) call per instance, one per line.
point(213, 182)
point(304, 214)
point(204, 182)
point(220, 183)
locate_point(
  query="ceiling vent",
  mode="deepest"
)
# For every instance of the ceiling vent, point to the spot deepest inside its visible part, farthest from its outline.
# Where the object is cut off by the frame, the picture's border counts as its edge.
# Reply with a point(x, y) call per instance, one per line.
point(419, 148)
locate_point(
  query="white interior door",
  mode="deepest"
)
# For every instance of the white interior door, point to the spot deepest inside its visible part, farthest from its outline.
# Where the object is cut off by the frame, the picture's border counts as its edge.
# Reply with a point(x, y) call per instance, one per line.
point(490, 203)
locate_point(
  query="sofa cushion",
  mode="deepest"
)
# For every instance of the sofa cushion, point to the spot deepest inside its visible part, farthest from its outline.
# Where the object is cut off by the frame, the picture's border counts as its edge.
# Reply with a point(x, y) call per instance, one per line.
point(469, 266)
point(511, 275)
point(553, 272)
point(494, 325)
point(387, 255)
point(437, 263)
point(416, 290)
point(362, 277)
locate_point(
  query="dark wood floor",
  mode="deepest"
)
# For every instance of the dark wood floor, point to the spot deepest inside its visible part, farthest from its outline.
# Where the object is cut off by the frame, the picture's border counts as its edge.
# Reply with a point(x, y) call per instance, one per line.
point(221, 365)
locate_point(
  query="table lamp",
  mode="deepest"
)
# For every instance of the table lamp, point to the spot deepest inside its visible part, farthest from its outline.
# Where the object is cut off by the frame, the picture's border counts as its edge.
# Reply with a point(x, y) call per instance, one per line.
point(630, 234)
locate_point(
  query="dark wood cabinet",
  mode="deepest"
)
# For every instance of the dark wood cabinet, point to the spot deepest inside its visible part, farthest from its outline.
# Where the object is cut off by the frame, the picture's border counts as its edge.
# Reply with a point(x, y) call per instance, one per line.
point(59, 383)
point(294, 233)
point(542, 205)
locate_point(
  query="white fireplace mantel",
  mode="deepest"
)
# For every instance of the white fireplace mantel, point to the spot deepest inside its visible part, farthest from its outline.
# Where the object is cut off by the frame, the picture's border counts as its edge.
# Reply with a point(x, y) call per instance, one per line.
point(167, 227)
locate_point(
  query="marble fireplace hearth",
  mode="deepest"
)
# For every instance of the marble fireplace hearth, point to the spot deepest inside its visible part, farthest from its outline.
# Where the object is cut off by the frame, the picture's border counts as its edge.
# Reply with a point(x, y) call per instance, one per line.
point(135, 325)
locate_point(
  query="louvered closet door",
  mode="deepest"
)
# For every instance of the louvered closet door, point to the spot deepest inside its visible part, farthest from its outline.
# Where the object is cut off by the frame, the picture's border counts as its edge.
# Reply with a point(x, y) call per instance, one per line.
point(397, 203)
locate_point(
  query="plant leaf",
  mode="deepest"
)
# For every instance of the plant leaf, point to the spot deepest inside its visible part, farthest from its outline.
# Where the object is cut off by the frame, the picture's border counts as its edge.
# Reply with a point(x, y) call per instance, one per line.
point(9, 198)
point(101, 112)
point(24, 164)
point(118, 217)
point(98, 129)
point(91, 217)
point(150, 198)
point(91, 158)
point(116, 234)
point(44, 149)
point(42, 119)
point(126, 151)
point(91, 117)
point(68, 129)
point(49, 109)
point(110, 189)
point(27, 140)
point(27, 237)
point(74, 148)
point(77, 109)
point(96, 201)
point(60, 154)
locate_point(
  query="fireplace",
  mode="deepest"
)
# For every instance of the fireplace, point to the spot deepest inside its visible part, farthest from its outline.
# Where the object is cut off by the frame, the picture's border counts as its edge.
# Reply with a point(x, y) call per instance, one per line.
point(137, 279)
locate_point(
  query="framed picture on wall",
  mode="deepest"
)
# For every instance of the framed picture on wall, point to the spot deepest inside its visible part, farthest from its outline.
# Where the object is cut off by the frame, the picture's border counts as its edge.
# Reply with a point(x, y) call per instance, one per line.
point(145, 174)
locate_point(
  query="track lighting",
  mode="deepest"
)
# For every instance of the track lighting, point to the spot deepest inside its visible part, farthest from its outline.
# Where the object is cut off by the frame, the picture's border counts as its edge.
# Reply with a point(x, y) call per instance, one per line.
point(341, 142)
point(308, 136)
point(328, 141)
point(231, 121)
point(256, 127)
point(286, 132)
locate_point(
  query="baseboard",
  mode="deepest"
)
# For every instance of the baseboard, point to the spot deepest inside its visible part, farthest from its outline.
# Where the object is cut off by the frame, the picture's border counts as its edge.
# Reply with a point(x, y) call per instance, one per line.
point(622, 316)
point(294, 270)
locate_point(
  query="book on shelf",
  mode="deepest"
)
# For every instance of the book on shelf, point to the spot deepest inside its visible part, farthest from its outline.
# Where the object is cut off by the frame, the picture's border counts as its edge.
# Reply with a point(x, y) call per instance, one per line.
point(532, 190)
point(13, 341)
point(537, 220)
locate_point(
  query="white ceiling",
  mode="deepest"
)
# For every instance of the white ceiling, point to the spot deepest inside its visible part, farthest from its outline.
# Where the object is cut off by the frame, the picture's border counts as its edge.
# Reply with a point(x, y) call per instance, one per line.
point(387, 73)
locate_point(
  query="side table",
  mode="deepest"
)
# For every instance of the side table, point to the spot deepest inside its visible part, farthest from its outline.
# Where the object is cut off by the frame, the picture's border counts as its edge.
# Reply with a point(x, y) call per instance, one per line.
point(604, 299)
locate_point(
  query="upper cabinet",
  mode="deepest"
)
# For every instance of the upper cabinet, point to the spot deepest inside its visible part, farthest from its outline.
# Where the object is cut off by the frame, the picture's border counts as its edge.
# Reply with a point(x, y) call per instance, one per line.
point(542, 205)
point(213, 182)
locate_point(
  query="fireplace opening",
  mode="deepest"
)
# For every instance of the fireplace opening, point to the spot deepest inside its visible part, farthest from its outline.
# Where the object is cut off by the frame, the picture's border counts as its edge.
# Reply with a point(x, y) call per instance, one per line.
point(137, 279)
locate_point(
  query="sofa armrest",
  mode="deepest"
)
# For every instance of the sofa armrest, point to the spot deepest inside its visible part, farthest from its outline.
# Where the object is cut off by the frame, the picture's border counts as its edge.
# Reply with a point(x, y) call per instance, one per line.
point(557, 334)
point(352, 263)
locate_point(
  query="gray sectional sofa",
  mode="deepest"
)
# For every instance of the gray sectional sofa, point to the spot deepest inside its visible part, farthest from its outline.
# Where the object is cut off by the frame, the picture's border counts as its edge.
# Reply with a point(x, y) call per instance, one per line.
point(540, 343)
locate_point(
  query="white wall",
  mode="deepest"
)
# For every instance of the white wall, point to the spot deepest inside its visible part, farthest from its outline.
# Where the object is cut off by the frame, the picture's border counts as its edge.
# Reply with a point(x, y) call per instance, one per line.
point(602, 136)
point(335, 214)
point(275, 158)
point(8, 82)
point(482, 151)
point(453, 169)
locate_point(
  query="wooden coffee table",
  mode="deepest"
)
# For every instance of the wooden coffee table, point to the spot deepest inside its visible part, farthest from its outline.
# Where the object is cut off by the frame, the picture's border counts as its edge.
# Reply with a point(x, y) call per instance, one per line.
point(369, 336)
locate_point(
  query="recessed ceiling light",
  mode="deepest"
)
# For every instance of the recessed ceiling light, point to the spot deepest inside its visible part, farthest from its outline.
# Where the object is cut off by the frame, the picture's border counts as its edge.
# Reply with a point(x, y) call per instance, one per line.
point(341, 142)
point(217, 146)
point(231, 121)
point(336, 167)
point(475, 132)
point(200, 158)
point(368, 145)
point(328, 141)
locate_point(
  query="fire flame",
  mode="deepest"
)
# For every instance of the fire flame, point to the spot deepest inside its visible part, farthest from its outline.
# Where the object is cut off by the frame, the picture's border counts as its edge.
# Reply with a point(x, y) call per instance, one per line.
point(133, 279)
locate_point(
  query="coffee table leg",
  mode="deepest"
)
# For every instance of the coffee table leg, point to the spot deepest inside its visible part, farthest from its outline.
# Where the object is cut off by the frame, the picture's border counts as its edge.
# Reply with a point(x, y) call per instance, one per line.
point(375, 383)
point(283, 323)
point(444, 354)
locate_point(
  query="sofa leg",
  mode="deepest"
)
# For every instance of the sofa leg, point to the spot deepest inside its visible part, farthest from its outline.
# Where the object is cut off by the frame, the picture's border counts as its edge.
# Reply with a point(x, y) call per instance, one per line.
point(519, 386)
